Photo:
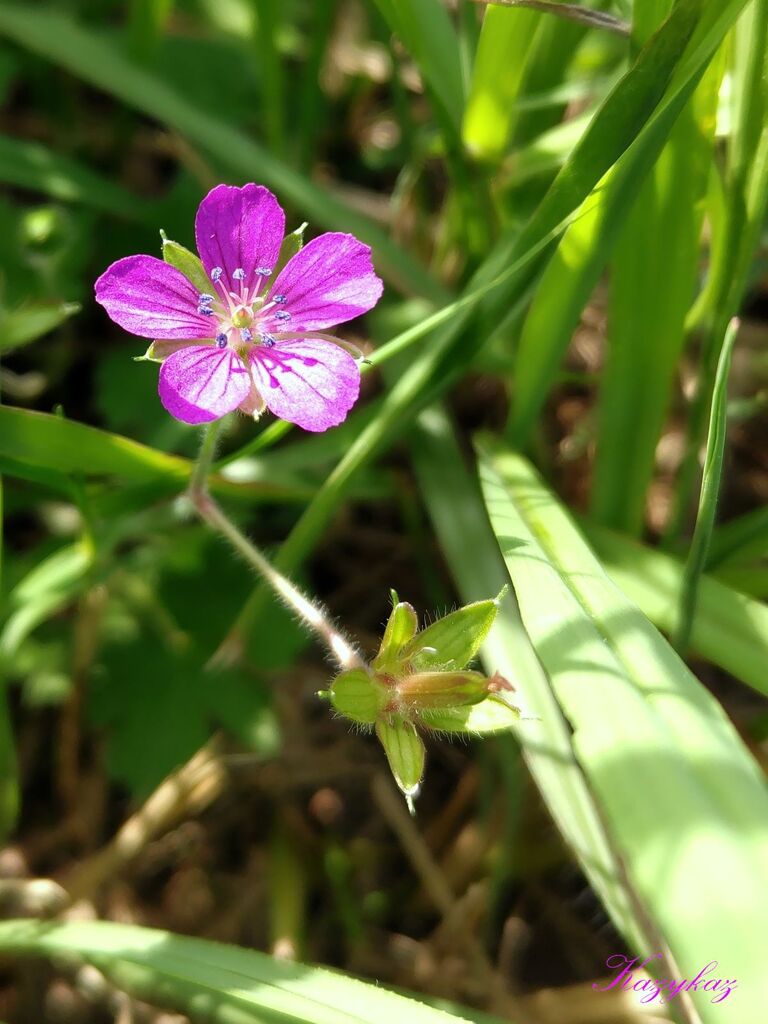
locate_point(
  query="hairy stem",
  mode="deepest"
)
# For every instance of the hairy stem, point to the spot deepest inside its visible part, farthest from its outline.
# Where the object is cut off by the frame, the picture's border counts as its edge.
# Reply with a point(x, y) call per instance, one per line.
point(314, 617)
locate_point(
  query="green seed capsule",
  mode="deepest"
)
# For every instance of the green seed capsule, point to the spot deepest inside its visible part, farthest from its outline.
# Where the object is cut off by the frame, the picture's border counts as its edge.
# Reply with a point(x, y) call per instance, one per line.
point(425, 691)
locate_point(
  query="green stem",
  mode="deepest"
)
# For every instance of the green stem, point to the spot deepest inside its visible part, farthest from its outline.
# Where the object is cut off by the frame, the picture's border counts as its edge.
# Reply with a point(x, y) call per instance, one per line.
point(313, 616)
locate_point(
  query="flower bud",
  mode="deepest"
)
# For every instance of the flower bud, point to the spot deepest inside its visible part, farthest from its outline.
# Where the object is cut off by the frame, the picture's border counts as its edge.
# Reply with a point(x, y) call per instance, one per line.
point(405, 753)
point(357, 696)
point(426, 691)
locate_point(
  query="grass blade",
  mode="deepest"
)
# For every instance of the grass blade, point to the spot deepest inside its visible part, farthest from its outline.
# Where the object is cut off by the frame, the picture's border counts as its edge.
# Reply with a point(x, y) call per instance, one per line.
point(681, 794)
point(729, 628)
point(211, 981)
point(651, 290)
point(710, 490)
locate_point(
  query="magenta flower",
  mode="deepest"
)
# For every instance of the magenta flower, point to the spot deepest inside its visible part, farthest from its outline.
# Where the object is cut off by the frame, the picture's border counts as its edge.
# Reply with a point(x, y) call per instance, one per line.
point(249, 342)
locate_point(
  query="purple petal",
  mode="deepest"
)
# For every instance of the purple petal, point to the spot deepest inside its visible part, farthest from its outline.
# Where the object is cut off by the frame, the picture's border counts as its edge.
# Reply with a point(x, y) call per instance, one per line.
point(202, 383)
point(309, 382)
point(329, 281)
point(239, 228)
point(151, 298)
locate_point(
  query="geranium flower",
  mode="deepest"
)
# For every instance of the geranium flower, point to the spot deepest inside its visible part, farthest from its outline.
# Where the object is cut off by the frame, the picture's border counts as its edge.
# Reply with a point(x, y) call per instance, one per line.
point(249, 341)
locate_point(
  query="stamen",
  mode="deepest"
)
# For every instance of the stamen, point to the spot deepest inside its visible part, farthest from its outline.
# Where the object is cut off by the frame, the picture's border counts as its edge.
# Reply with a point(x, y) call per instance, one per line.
point(205, 310)
point(282, 314)
point(246, 334)
point(267, 340)
point(221, 340)
point(279, 298)
point(216, 274)
point(205, 299)
point(238, 274)
point(264, 271)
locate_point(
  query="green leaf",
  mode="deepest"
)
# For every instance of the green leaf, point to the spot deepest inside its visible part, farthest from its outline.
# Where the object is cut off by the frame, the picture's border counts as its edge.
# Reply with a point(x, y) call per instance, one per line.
point(57, 37)
point(187, 262)
point(638, 713)
point(31, 321)
point(212, 981)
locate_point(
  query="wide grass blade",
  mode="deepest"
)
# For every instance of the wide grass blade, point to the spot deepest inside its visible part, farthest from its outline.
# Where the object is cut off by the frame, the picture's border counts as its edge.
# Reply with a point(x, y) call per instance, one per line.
point(682, 797)
point(579, 260)
point(652, 286)
point(212, 981)
point(455, 505)
point(57, 37)
point(729, 628)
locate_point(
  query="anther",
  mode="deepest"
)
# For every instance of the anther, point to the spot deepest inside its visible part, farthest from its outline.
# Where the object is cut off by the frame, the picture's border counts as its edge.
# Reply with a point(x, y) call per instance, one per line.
point(279, 298)
point(267, 340)
point(264, 271)
point(238, 274)
point(221, 340)
point(246, 334)
point(204, 299)
point(282, 314)
point(216, 274)
point(205, 310)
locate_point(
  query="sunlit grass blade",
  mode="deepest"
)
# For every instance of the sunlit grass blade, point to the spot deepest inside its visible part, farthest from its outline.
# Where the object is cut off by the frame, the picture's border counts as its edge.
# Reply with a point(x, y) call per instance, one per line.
point(575, 268)
point(455, 505)
point(212, 981)
point(652, 286)
point(729, 628)
point(31, 321)
point(682, 797)
point(506, 42)
point(60, 39)
point(9, 787)
point(745, 202)
point(710, 491)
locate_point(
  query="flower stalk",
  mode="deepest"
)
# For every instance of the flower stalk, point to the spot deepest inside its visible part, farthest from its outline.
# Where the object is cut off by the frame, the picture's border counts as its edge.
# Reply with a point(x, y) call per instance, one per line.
point(313, 616)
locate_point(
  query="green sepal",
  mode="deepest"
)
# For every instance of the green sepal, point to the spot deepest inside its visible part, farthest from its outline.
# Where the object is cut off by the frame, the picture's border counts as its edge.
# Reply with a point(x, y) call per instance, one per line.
point(401, 628)
point(405, 753)
point(292, 244)
point(453, 641)
point(188, 263)
point(159, 350)
point(357, 696)
point(489, 716)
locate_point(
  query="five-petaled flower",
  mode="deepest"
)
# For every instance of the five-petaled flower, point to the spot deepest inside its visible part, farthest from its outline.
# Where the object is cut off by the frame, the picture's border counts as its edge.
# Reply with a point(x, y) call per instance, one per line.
point(253, 339)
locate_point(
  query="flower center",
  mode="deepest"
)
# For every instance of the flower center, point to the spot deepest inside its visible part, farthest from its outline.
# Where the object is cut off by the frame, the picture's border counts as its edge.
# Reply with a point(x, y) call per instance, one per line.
point(242, 317)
